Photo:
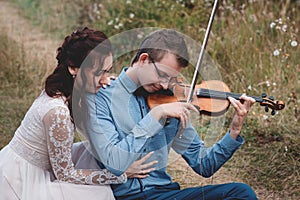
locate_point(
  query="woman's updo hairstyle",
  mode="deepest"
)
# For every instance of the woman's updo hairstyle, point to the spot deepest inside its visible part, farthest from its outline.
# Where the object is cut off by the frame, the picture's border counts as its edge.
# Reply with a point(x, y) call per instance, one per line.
point(72, 53)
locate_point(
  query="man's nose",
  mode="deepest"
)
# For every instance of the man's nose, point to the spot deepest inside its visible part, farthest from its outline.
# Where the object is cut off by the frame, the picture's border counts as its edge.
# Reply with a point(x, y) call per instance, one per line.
point(165, 86)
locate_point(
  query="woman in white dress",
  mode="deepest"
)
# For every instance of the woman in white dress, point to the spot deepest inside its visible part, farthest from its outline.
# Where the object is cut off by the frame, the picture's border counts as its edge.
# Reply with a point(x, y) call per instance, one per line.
point(37, 163)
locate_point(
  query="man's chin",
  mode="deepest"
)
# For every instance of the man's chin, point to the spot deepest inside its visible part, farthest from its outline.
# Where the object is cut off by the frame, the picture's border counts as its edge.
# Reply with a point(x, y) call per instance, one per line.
point(151, 88)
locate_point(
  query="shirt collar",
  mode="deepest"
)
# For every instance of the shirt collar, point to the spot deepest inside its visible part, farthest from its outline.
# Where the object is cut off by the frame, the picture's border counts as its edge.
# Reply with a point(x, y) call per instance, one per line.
point(127, 83)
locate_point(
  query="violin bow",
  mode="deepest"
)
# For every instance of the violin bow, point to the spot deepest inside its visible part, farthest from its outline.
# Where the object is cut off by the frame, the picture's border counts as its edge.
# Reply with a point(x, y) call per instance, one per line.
point(200, 58)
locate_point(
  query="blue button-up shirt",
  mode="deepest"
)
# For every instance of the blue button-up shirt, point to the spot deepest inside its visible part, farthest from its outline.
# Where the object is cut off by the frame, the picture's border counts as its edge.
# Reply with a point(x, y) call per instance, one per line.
point(127, 131)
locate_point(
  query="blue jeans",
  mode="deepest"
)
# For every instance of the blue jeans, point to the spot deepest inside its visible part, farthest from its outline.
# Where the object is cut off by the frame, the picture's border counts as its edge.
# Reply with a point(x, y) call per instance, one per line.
point(226, 191)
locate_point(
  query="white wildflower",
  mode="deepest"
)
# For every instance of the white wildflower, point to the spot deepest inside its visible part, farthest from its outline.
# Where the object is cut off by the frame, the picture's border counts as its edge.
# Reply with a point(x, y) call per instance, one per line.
point(265, 117)
point(249, 87)
point(272, 25)
point(110, 22)
point(280, 21)
point(276, 52)
point(294, 43)
point(274, 84)
point(285, 148)
point(268, 83)
point(128, 2)
point(284, 27)
point(95, 8)
point(131, 15)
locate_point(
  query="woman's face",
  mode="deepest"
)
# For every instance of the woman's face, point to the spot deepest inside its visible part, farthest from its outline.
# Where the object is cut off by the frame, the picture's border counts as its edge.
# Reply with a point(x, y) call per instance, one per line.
point(101, 75)
point(95, 77)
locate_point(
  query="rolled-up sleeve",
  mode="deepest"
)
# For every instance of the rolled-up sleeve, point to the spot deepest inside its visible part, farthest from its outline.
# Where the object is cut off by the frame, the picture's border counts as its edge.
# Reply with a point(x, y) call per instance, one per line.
point(206, 160)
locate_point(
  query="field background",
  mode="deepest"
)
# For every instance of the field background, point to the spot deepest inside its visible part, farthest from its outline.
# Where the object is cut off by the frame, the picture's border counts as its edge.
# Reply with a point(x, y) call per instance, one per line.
point(255, 43)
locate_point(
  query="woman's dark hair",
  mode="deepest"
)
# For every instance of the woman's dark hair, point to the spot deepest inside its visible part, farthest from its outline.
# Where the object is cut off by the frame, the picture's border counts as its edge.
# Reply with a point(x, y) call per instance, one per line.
point(72, 53)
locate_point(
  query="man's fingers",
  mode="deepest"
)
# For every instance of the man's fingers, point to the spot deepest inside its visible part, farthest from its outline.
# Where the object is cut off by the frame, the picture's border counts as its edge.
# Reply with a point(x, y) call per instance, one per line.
point(193, 108)
point(185, 113)
point(183, 121)
point(233, 102)
point(236, 104)
point(189, 107)
point(247, 98)
point(242, 108)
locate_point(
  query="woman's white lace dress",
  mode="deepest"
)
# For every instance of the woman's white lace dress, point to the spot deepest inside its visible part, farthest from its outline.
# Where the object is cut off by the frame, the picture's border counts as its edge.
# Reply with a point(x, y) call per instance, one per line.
point(40, 148)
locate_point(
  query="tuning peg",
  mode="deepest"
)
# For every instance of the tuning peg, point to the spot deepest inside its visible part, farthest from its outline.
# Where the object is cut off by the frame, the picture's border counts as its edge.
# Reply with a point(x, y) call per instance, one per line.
point(271, 98)
point(266, 108)
point(263, 95)
point(273, 112)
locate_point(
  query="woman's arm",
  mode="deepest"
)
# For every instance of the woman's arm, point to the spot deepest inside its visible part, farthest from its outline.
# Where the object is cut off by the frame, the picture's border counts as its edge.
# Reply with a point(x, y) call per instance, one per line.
point(60, 135)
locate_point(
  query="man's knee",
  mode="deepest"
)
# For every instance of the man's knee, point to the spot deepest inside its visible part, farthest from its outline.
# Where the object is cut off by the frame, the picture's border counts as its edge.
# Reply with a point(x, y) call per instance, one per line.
point(244, 190)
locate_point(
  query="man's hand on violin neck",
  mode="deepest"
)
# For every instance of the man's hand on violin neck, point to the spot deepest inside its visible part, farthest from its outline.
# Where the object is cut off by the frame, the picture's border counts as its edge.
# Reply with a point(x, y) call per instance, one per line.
point(177, 110)
point(242, 108)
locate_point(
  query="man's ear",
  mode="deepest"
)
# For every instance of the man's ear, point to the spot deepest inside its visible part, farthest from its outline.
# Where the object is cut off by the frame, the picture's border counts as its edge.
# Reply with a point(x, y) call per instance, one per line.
point(144, 58)
point(73, 70)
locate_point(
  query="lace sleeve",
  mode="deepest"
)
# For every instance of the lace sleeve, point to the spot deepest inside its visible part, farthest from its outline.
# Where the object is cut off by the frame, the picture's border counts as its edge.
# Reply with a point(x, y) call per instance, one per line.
point(60, 135)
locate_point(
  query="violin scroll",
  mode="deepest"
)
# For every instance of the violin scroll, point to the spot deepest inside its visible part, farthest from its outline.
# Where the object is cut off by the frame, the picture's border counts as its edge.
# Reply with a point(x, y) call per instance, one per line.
point(270, 103)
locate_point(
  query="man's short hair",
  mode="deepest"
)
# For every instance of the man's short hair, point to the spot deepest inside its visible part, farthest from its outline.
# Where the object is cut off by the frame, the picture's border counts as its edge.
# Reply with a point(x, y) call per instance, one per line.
point(163, 41)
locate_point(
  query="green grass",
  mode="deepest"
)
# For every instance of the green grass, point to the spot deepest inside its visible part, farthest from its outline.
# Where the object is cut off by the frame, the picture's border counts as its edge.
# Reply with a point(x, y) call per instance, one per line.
point(242, 43)
point(21, 83)
point(56, 17)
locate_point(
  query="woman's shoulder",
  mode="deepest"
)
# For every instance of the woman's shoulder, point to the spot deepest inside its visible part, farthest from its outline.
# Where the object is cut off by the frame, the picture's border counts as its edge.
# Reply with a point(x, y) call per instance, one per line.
point(46, 100)
point(44, 103)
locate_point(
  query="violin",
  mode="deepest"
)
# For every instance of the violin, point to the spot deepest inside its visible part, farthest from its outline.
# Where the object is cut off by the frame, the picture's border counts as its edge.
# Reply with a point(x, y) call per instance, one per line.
point(210, 98)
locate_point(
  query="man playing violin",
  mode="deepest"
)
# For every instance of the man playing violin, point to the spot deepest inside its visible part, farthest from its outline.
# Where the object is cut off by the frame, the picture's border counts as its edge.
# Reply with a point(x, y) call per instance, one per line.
point(133, 130)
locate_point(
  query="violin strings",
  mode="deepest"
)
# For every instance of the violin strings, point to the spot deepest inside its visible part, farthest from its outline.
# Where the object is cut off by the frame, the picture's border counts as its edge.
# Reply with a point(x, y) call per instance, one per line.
point(222, 95)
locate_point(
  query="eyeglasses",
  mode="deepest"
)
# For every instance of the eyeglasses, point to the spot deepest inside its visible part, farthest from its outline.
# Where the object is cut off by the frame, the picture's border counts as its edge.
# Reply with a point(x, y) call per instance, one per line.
point(164, 77)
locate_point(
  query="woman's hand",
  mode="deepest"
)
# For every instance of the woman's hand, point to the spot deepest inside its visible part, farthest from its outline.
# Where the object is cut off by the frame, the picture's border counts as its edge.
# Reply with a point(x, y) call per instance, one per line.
point(112, 77)
point(140, 170)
